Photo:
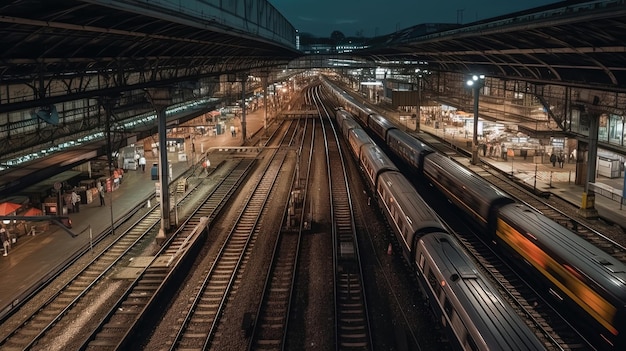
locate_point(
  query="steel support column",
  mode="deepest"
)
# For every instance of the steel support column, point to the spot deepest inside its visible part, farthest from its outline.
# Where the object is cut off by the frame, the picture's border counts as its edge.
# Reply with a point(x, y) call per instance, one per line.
point(108, 103)
point(264, 83)
point(244, 77)
point(476, 83)
point(475, 159)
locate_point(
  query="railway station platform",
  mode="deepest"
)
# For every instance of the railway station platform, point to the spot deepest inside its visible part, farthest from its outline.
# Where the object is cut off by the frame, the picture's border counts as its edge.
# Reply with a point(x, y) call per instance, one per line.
point(32, 259)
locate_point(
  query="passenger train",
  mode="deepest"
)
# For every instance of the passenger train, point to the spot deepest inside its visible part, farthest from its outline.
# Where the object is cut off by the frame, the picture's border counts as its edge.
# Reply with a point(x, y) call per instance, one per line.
point(473, 314)
point(585, 283)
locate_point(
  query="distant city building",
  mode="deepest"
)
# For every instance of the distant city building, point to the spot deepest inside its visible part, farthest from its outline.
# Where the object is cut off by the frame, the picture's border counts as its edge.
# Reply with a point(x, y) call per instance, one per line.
point(338, 44)
point(297, 40)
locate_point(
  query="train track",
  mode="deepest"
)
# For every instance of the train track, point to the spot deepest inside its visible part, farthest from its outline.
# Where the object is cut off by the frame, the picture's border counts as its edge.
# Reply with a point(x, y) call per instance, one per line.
point(38, 327)
point(81, 289)
point(150, 275)
point(270, 327)
point(351, 316)
point(199, 327)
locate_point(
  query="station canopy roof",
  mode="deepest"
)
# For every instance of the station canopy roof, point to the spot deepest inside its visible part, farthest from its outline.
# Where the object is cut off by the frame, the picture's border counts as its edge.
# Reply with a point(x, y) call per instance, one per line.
point(571, 42)
point(73, 37)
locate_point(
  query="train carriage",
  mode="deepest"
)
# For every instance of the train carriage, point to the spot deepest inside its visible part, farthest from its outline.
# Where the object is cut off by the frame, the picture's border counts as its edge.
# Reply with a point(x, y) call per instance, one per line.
point(357, 138)
point(468, 306)
point(582, 277)
point(347, 125)
point(374, 162)
point(360, 111)
point(408, 148)
point(341, 115)
point(409, 215)
point(380, 126)
point(475, 196)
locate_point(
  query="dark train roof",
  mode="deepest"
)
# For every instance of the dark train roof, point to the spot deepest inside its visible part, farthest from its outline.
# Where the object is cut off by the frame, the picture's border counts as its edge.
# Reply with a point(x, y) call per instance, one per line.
point(577, 43)
point(495, 321)
point(377, 158)
point(74, 36)
point(463, 178)
point(416, 211)
point(561, 244)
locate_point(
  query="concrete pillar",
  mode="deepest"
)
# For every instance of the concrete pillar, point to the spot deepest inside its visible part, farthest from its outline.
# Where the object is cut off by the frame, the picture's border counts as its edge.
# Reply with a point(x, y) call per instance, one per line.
point(587, 208)
point(160, 98)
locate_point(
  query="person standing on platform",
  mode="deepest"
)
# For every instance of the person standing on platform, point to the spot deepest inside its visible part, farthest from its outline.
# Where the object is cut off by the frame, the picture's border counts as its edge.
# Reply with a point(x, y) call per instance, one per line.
point(67, 201)
point(136, 157)
point(561, 160)
point(142, 163)
point(4, 236)
point(75, 202)
point(205, 165)
point(101, 192)
point(553, 159)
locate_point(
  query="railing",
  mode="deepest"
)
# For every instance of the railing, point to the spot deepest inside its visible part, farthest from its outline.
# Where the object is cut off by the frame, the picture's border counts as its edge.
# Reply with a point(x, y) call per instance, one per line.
point(608, 192)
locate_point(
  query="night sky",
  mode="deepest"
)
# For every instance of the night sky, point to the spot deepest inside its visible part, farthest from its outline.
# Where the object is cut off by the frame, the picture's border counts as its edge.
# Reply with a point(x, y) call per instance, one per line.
point(371, 18)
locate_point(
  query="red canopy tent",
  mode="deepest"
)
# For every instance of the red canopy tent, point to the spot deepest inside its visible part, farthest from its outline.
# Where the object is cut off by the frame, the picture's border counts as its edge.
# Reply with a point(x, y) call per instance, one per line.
point(8, 208)
point(32, 212)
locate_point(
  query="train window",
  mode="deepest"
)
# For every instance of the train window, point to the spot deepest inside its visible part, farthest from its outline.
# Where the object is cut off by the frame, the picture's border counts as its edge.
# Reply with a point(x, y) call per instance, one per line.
point(432, 280)
point(434, 283)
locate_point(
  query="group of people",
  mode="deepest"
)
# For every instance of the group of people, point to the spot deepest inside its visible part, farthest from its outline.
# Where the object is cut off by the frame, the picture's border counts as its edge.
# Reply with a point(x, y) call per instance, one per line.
point(494, 150)
point(560, 158)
